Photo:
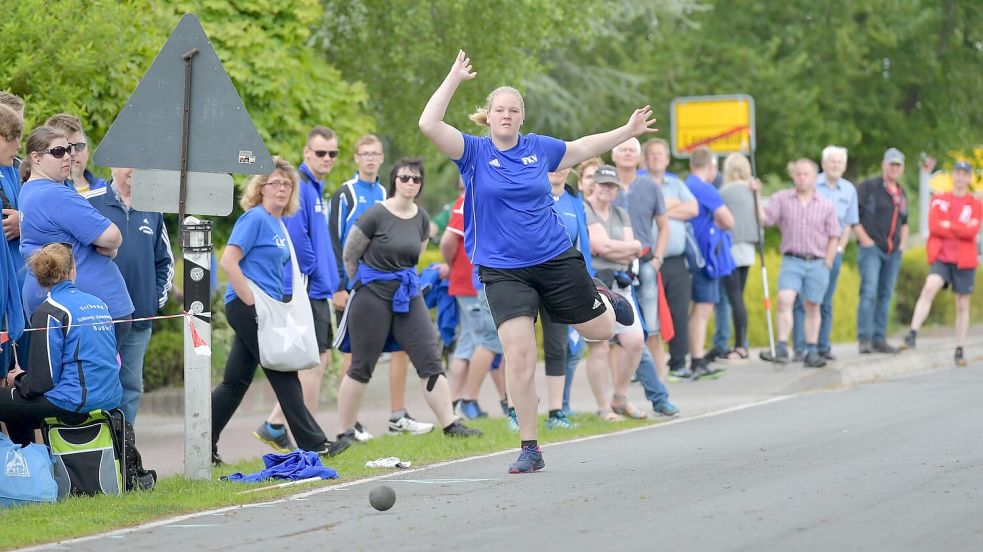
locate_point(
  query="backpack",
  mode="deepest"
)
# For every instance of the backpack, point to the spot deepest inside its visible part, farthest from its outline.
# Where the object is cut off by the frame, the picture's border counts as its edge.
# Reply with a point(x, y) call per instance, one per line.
point(711, 252)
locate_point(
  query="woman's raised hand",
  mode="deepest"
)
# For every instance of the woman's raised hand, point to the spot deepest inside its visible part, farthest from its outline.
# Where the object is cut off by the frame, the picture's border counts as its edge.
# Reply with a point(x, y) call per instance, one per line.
point(461, 70)
point(641, 122)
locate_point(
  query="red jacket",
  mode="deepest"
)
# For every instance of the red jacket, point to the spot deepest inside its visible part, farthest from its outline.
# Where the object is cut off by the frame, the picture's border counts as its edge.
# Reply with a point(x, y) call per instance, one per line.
point(965, 226)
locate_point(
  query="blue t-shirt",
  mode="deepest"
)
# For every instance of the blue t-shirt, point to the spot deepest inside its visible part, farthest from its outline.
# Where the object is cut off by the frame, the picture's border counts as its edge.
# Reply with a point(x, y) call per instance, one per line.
point(574, 219)
point(509, 221)
point(709, 200)
point(53, 212)
point(264, 251)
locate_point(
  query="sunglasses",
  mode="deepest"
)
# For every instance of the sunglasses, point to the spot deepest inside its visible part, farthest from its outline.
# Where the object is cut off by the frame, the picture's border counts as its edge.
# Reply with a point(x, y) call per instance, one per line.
point(321, 153)
point(57, 152)
point(79, 146)
point(404, 178)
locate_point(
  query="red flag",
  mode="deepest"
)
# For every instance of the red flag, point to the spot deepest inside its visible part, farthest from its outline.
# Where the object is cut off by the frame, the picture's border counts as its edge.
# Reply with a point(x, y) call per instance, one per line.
point(197, 342)
point(666, 329)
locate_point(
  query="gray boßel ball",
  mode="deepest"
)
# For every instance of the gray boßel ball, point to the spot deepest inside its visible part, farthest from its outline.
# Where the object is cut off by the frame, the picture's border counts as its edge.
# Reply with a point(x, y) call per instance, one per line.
point(382, 497)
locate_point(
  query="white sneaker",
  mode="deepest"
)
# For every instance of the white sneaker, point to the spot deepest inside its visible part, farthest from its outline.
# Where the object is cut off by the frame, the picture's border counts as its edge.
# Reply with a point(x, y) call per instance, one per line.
point(360, 434)
point(406, 424)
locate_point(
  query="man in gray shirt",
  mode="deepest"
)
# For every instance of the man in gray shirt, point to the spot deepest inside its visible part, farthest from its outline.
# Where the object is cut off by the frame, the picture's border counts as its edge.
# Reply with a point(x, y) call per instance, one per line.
point(680, 207)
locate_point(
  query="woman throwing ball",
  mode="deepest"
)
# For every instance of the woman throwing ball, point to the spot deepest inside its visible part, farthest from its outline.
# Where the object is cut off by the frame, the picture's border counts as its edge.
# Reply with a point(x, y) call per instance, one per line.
point(511, 233)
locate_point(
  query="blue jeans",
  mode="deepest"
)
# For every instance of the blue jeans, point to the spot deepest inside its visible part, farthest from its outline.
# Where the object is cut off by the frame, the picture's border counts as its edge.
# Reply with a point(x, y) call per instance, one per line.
point(826, 310)
point(654, 390)
point(573, 359)
point(878, 274)
point(131, 351)
point(721, 320)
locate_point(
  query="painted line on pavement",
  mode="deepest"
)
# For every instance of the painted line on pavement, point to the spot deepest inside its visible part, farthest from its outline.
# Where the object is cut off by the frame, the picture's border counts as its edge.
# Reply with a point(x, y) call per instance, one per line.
point(391, 476)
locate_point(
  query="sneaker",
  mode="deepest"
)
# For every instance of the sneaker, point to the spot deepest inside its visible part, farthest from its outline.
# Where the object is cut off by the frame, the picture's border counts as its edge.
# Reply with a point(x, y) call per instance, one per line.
point(909, 340)
point(828, 355)
point(329, 448)
point(959, 358)
point(703, 371)
point(865, 347)
point(559, 421)
point(780, 357)
point(814, 360)
point(679, 374)
point(360, 434)
point(457, 429)
point(568, 412)
point(530, 460)
point(471, 410)
point(513, 421)
point(715, 354)
point(406, 424)
point(623, 313)
point(505, 406)
point(798, 356)
point(665, 408)
point(278, 439)
point(884, 347)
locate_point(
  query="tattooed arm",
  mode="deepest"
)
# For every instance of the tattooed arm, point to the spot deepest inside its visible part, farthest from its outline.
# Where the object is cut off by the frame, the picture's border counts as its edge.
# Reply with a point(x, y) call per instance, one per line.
point(355, 245)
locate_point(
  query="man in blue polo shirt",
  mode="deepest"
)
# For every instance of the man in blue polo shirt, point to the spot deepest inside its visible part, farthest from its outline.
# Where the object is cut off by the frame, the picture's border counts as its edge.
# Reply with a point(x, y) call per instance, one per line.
point(308, 229)
point(712, 219)
point(147, 266)
point(830, 185)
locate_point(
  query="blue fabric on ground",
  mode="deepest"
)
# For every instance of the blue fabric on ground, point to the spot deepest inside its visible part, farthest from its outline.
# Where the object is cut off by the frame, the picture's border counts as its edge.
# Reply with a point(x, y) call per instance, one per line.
point(292, 466)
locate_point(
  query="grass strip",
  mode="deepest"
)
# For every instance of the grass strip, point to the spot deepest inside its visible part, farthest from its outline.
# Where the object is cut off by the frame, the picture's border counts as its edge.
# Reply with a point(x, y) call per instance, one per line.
point(81, 516)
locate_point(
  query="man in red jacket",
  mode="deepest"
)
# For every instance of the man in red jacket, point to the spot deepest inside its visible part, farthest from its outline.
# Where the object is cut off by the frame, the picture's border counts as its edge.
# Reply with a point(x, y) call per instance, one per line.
point(954, 222)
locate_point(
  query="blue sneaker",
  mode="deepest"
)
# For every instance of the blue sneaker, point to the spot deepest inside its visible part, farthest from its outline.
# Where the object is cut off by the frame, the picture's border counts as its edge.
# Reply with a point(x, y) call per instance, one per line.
point(275, 437)
point(471, 410)
point(623, 313)
point(513, 421)
point(665, 408)
point(568, 412)
point(530, 460)
point(559, 421)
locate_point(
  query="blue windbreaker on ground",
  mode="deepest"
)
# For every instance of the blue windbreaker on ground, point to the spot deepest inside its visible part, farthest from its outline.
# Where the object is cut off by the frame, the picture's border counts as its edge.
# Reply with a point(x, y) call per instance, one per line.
point(292, 466)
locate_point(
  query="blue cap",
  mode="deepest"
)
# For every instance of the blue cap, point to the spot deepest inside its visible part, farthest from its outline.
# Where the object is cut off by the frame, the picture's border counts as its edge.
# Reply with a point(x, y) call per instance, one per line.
point(963, 166)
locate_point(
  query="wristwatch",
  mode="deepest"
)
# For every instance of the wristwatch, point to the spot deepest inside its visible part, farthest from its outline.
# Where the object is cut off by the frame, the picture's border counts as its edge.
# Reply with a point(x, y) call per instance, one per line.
point(657, 257)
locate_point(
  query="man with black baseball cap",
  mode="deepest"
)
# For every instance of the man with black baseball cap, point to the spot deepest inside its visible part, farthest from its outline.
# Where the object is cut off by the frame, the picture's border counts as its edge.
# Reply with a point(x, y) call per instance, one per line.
point(953, 222)
point(882, 235)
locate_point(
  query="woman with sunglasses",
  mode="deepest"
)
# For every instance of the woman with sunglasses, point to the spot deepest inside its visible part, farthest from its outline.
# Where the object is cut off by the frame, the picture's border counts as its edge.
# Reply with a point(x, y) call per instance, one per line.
point(257, 251)
point(73, 367)
point(516, 239)
point(55, 213)
point(380, 256)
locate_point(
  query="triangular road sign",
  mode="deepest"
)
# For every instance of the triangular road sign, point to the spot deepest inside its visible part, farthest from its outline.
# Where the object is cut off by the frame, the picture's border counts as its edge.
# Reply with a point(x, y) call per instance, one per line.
point(147, 132)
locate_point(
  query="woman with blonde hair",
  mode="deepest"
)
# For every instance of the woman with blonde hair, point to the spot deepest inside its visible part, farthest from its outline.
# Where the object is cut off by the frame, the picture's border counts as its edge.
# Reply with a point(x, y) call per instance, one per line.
point(73, 366)
point(739, 199)
point(258, 251)
point(506, 201)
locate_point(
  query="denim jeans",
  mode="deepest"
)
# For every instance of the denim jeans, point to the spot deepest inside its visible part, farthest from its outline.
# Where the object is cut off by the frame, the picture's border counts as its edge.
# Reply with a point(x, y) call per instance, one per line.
point(721, 320)
point(878, 274)
point(647, 294)
point(573, 359)
point(131, 352)
point(826, 310)
point(654, 390)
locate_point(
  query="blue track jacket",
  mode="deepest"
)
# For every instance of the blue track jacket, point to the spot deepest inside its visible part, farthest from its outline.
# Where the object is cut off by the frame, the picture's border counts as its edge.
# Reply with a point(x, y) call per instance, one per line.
point(308, 229)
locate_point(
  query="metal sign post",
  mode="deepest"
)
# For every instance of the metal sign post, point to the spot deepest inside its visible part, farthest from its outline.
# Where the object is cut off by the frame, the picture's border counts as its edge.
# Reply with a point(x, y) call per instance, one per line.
point(183, 136)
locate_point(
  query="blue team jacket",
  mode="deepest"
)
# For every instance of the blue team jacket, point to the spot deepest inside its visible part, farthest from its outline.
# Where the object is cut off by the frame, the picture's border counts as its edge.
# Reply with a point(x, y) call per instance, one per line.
point(308, 229)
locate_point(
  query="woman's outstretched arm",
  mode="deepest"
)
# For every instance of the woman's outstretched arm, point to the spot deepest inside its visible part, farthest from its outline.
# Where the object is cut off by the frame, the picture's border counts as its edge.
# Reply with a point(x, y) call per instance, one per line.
point(448, 139)
point(584, 148)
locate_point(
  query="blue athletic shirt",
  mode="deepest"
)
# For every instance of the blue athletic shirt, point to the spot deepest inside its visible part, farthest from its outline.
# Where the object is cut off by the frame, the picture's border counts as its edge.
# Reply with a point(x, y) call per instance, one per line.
point(571, 210)
point(709, 200)
point(509, 221)
point(264, 251)
point(53, 212)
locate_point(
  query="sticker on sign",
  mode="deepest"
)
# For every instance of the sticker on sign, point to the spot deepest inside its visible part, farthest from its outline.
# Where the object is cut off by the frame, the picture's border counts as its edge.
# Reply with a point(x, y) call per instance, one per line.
point(725, 124)
point(246, 158)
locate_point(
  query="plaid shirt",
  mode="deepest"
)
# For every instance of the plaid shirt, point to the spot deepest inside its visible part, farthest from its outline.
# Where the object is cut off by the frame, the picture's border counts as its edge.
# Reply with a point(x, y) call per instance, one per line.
point(806, 229)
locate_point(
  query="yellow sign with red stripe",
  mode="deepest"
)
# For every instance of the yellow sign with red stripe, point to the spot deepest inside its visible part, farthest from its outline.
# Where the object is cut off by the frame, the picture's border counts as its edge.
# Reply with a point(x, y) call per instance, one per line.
point(725, 124)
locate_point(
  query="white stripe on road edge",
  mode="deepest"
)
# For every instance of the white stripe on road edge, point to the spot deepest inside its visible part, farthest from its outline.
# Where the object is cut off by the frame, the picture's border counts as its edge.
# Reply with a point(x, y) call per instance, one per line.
point(401, 473)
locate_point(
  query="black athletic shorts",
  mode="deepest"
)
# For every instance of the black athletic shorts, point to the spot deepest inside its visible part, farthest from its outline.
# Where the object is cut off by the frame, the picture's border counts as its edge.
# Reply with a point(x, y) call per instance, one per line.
point(321, 308)
point(959, 279)
point(562, 284)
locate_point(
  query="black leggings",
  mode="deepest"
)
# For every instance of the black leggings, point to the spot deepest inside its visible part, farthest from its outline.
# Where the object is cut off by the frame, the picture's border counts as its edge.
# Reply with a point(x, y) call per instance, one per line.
point(240, 368)
point(370, 321)
point(734, 286)
point(554, 344)
point(23, 416)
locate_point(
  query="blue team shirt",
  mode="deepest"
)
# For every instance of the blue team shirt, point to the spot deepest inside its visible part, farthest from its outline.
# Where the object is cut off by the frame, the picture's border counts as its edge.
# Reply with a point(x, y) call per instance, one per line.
point(574, 219)
point(509, 221)
point(53, 212)
point(343, 216)
point(10, 181)
point(264, 251)
point(709, 200)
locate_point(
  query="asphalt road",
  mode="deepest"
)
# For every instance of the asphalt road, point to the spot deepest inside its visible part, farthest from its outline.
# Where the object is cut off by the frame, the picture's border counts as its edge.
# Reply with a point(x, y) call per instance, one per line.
point(890, 466)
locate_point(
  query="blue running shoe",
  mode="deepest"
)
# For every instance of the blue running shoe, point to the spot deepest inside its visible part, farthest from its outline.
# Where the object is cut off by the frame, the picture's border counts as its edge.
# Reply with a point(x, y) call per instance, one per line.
point(471, 410)
point(275, 437)
point(559, 421)
point(530, 460)
point(665, 408)
point(513, 421)
point(623, 313)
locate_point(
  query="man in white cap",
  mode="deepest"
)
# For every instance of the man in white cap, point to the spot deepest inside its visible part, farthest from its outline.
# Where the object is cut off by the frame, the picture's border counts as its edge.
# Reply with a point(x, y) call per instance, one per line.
point(882, 235)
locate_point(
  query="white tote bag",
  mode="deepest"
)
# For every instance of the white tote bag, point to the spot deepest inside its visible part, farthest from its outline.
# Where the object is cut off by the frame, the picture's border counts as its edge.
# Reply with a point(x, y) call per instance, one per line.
point(287, 342)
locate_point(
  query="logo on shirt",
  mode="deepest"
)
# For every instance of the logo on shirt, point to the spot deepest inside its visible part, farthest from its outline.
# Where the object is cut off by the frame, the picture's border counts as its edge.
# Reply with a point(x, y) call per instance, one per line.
point(529, 160)
point(494, 163)
point(280, 242)
point(145, 228)
point(966, 214)
point(317, 206)
point(361, 199)
point(597, 304)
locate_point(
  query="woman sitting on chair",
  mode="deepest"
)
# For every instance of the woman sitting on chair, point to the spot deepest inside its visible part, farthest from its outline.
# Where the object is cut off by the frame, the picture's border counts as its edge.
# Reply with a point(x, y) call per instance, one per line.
point(73, 364)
